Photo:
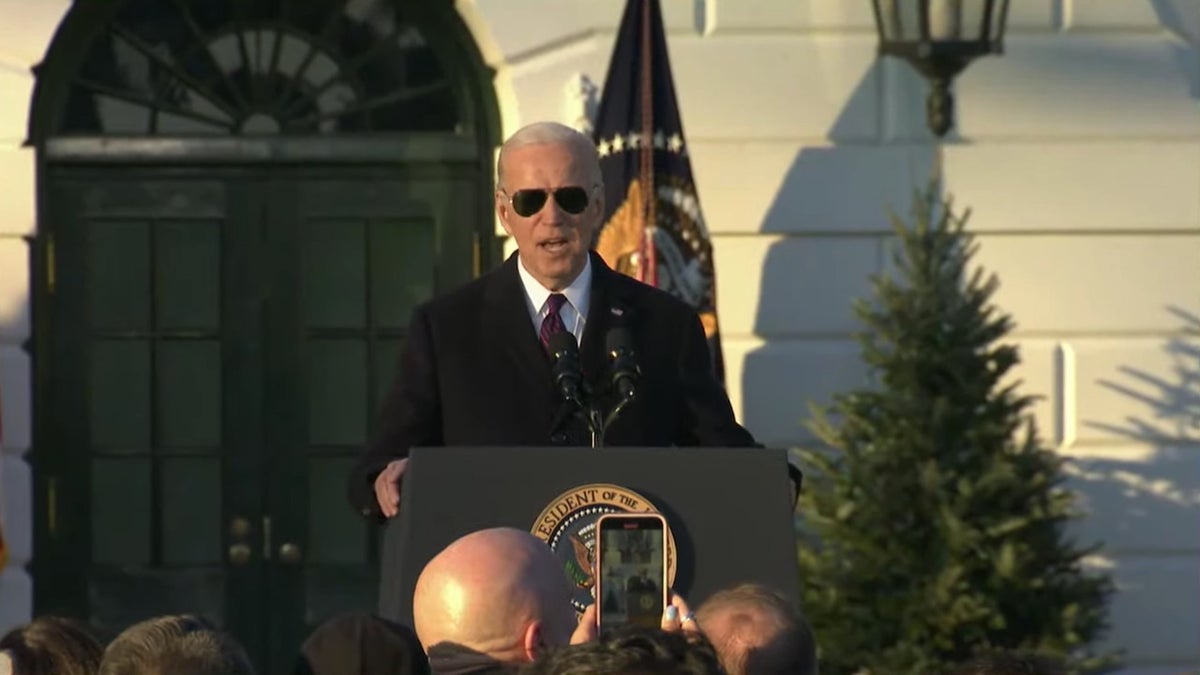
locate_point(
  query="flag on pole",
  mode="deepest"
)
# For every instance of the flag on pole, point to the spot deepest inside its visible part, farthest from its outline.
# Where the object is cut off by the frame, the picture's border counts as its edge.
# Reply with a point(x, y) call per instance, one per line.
point(653, 227)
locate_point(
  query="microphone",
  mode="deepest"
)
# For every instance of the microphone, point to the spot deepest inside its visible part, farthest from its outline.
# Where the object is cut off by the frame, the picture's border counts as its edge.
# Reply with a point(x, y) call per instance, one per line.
point(625, 372)
point(568, 372)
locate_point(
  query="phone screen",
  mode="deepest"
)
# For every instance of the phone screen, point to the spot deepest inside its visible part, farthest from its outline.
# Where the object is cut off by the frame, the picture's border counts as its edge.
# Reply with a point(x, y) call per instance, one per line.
point(632, 568)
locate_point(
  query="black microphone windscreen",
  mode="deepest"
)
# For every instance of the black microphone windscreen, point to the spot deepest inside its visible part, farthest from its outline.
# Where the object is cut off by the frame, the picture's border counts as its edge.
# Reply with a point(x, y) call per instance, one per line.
point(618, 339)
point(563, 343)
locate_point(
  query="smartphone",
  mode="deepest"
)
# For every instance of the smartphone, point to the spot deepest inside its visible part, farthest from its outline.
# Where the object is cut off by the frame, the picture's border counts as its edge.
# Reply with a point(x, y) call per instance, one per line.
point(631, 569)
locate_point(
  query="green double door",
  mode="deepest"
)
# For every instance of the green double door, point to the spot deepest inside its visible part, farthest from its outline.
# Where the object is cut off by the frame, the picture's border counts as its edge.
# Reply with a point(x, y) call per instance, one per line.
point(217, 344)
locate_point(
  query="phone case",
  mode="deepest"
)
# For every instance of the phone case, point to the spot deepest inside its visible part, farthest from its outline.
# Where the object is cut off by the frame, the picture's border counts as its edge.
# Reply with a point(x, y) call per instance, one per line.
point(641, 594)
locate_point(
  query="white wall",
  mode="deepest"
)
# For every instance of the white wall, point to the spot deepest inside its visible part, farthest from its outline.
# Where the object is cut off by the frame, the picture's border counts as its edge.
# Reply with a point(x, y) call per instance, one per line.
point(1078, 151)
point(25, 30)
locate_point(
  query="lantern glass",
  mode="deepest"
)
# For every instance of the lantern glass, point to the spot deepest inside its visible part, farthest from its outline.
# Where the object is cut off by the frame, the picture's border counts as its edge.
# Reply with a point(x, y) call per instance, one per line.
point(946, 19)
point(996, 26)
point(972, 14)
point(900, 20)
point(910, 21)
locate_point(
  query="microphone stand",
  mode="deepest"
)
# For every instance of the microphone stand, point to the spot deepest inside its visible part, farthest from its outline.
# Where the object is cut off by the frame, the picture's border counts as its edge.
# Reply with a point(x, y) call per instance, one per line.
point(589, 414)
point(597, 423)
point(592, 417)
point(597, 427)
point(612, 415)
point(580, 398)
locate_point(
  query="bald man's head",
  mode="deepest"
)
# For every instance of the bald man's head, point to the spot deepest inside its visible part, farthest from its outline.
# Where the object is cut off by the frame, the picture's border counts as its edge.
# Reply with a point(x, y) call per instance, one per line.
point(500, 592)
point(757, 632)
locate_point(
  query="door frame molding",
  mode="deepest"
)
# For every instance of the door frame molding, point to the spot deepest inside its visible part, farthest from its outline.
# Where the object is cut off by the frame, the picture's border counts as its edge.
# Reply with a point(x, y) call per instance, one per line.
point(310, 150)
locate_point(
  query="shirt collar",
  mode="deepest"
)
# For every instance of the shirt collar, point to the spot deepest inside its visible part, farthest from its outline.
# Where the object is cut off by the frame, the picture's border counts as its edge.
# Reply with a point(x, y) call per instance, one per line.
point(578, 293)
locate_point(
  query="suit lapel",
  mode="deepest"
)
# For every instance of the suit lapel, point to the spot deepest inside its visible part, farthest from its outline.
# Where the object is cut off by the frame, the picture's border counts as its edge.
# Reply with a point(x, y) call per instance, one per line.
point(602, 308)
point(508, 320)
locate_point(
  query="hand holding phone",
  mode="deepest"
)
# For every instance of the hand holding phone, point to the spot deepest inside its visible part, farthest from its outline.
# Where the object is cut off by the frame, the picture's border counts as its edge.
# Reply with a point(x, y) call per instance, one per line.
point(631, 569)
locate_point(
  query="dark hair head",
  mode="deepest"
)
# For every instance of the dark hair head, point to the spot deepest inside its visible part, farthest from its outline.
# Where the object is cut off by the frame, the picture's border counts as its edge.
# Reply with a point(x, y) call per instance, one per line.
point(631, 651)
point(359, 643)
point(1012, 663)
point(52, 645)
point(175, 645)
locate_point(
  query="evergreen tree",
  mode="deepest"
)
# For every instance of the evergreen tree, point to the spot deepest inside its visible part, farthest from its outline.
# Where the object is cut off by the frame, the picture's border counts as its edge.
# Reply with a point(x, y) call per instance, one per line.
point(934, 520)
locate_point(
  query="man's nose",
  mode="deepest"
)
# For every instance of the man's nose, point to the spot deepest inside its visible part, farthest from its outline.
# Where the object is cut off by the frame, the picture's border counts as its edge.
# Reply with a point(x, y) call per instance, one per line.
point(552, 213)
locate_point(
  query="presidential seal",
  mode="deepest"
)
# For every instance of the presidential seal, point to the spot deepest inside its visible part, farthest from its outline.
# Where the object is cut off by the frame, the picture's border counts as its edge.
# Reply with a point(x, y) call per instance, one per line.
point(568, 525)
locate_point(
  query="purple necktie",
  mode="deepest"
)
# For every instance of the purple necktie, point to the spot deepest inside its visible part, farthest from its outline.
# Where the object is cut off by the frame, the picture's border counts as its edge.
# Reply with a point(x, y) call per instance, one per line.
point(553, 323)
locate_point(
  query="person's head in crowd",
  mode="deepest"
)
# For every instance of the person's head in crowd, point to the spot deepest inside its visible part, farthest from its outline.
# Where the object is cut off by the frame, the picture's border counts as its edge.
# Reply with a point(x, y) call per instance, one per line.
point(550, 199)
point(175, 645)
point(756, 631)
point(50, 645)
point(632, 650)
point(1011, 663)
point(500, 593)
point(362, 644)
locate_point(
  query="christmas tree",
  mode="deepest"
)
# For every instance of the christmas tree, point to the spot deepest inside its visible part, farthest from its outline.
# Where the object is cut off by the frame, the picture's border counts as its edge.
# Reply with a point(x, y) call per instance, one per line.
point(934, 520)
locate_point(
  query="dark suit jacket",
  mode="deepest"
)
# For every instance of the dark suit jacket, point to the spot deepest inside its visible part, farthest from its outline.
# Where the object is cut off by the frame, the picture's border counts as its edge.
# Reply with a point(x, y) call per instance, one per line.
point(474, 373)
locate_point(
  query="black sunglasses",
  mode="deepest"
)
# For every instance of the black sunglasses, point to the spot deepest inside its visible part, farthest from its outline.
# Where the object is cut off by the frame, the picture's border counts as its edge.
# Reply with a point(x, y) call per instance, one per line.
point(572, 199)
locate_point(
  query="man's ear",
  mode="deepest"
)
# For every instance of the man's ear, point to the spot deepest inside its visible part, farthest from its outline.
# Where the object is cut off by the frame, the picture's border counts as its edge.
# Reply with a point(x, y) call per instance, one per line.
point(534, 640)
point(502, 211)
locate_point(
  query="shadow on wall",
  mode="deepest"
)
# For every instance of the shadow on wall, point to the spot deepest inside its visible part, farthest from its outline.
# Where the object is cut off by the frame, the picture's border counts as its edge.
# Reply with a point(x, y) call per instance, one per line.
point(1152, 501)
point(16, 325)
point(831, 222)
point(1182, 17)
point(14, 301)
point(1143, 503)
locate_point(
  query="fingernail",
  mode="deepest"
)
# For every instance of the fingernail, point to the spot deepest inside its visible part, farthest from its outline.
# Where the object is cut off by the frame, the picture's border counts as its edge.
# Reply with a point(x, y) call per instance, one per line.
point(672, 613)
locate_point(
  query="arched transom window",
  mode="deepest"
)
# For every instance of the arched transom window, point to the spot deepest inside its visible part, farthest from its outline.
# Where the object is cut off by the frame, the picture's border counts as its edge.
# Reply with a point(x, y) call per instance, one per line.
point(260, 67)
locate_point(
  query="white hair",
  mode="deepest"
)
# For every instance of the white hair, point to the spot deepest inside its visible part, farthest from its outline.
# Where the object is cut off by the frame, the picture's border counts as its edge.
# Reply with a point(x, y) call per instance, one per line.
point(551, 133)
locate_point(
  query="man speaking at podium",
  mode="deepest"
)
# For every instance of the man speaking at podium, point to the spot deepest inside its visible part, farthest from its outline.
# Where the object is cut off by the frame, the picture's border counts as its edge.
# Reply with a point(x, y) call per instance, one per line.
point(509, 359)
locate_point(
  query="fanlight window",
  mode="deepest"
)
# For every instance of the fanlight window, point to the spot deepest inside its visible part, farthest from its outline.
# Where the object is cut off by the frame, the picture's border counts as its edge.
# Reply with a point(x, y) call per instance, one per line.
point(260, 67)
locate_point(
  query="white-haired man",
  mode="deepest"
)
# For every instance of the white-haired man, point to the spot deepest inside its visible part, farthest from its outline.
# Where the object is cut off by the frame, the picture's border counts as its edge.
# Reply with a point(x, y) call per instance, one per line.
point(475, 368)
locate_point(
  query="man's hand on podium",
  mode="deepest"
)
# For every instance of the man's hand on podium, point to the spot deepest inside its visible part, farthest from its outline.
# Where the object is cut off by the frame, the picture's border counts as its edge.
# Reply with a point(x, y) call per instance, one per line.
point(387, 487)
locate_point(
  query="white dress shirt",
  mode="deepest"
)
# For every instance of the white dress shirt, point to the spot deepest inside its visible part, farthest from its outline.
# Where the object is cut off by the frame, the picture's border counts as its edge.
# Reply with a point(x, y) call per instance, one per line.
point(574, 310)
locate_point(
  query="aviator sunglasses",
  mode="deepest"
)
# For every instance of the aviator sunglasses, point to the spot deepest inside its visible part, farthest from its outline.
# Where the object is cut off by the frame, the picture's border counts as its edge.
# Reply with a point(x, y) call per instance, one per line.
point(572, 199)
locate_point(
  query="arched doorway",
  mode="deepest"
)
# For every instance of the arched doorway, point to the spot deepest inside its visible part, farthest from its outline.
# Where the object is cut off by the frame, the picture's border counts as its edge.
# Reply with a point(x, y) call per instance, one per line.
point(240, 201)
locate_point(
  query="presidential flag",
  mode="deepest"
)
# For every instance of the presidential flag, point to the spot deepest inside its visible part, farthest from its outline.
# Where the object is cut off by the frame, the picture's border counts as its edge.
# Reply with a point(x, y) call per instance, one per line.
point(653, 228)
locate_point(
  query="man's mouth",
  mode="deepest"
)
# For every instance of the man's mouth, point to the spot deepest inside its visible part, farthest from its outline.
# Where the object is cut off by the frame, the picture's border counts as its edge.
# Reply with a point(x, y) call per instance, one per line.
point(554, 245)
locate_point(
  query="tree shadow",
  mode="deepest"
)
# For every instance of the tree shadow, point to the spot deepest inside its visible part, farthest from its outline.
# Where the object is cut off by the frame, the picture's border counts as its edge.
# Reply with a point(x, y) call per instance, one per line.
point(1174, 404)
point(1158, 490)
point(1143, 499)
point(827, 209)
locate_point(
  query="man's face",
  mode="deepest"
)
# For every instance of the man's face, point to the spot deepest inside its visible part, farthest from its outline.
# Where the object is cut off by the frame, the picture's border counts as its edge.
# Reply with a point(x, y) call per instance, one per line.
point(550, 204)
